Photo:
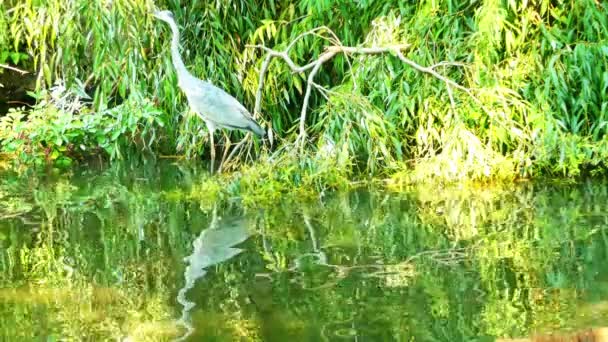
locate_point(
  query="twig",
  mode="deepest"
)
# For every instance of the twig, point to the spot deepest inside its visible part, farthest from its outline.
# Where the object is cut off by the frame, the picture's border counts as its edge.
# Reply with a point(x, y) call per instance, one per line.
point(20, 102)
point(237, 148)
point(9, 216)
point(431, 72)
point(311, 76)
point(446, 63)
point(22, 72)
point(440, 77)
point(322, 90)
point(261, 79)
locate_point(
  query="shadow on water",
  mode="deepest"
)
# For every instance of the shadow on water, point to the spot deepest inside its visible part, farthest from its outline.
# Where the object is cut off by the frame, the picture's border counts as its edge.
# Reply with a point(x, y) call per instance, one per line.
point(138, 252)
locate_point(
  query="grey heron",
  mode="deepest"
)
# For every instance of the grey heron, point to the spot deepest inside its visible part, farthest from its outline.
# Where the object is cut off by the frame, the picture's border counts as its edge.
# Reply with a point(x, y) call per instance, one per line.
point(217, 108)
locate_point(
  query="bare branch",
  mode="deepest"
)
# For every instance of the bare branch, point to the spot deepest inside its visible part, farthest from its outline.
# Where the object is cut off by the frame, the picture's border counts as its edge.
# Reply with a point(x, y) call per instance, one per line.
point(322, 90)
point(324, 58)
point(238, 147)
point(368, 50)
point(261, 80)
point(314, 67)
point(430, 71)
point(22, 72)
point(448, 82)
point(283, 54)
point(307, 33)
point(446, 63)
point(330, 51)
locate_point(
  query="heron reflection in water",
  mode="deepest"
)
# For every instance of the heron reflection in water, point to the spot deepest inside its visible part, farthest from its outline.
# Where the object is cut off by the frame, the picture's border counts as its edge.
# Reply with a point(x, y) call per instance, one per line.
point(213, 246)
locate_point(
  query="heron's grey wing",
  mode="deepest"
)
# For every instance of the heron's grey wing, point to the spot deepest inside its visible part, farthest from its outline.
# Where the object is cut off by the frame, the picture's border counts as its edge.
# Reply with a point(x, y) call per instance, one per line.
point(218, 106)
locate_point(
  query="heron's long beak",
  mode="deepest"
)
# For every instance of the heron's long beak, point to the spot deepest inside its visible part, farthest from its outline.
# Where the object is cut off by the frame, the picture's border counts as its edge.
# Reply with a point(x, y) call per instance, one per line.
point(156, 14)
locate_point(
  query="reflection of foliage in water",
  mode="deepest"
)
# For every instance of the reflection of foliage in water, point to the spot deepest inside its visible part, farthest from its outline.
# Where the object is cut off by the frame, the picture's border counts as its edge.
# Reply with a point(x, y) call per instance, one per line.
point(100, 255)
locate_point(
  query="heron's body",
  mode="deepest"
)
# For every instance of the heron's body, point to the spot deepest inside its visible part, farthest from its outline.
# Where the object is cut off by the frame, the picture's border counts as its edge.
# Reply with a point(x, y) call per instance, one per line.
point(215, 106)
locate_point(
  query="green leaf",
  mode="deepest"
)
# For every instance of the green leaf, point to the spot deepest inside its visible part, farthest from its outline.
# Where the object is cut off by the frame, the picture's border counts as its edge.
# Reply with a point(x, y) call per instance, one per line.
point(15, 57)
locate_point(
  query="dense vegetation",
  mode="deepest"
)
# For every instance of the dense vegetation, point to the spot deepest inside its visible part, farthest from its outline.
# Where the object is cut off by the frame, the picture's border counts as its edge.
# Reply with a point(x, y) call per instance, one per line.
point(533, 75)
point(491, 90)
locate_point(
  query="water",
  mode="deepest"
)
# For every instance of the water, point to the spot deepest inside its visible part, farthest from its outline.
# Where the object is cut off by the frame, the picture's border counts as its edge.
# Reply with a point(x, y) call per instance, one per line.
point(140, 253)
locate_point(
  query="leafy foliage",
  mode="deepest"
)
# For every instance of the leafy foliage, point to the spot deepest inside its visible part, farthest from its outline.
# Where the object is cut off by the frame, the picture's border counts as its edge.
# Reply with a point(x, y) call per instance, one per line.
point(56, 135)
point(537, 72)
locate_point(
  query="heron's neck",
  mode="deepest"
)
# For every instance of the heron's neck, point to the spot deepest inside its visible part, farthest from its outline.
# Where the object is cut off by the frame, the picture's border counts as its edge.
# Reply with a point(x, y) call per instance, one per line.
point(177, 59)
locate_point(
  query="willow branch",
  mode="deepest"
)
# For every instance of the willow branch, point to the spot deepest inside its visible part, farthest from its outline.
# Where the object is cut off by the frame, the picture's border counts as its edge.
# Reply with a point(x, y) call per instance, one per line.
point(331, 51)
point(314, 68)
point(448, 82)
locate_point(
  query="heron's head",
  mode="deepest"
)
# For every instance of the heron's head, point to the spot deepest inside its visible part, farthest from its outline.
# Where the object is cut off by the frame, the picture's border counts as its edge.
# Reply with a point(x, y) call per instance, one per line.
point(166, 16)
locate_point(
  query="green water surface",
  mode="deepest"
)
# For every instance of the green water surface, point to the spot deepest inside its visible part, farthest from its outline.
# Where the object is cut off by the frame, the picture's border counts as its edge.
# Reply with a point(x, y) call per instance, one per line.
point(141, 252)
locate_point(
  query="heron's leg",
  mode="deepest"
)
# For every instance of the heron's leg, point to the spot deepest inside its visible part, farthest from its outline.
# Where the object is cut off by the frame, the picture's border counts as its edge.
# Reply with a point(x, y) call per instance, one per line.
point(212, 149)
point(226, 147)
